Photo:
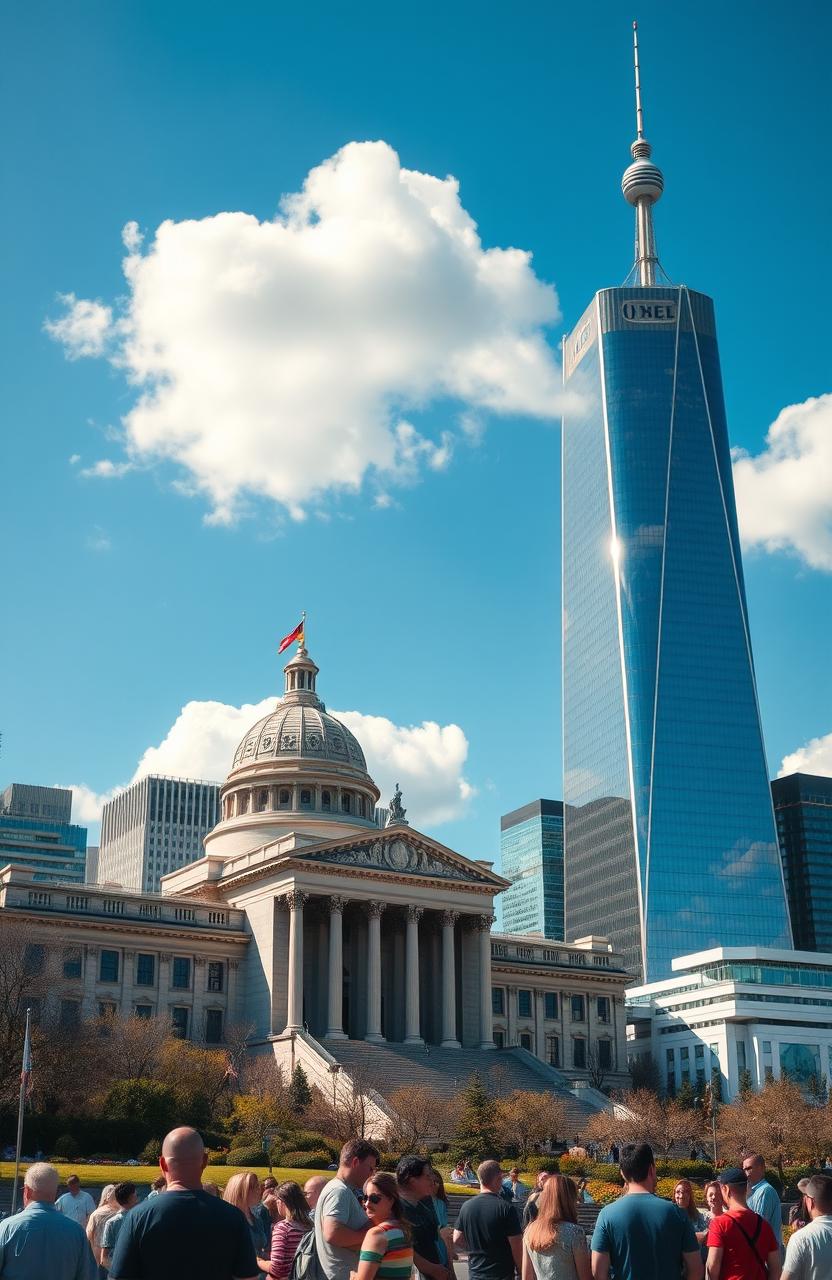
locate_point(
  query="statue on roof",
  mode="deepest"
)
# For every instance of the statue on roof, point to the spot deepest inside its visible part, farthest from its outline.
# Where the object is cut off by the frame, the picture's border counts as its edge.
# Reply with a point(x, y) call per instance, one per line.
point(396, 812)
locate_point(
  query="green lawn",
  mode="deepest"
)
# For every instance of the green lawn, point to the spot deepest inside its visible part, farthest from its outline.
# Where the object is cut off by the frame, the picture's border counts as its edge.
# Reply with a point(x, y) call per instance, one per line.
point(145, 1173)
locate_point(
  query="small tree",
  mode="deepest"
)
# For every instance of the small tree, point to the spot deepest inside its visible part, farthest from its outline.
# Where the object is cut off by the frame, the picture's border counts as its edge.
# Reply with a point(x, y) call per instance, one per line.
point(475, 1131)
point(526, 1120)
point(596, 1074)
point(645, 1074)
point(147, 1102)
point(300, 1094)
point(419, 1113)
point(744, 1085)
point(685, 1096)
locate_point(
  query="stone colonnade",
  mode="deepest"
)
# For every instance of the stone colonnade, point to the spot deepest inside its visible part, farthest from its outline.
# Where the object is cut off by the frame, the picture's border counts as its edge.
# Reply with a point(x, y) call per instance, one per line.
point(295, 901)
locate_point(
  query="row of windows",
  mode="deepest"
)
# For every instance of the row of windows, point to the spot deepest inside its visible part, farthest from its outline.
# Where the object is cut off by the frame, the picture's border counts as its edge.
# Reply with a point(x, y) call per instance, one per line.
point(603, 1049)
point(180, 1016)
point(525, 1004)
point(109, 967)
point(260, 801)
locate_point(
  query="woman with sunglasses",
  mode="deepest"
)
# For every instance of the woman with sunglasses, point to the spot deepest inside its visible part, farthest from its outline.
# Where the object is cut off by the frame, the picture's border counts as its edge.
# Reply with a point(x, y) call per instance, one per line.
point(387, 1251)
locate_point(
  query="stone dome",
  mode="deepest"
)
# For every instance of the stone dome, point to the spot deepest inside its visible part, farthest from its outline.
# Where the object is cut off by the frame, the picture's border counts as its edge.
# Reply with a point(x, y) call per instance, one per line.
point(298, 731)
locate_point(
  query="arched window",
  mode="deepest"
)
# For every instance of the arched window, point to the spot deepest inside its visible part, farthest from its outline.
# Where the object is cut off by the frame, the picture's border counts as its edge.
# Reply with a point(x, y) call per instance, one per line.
point(346, 802)
point(242, 802)
point(326, 800)
point(283, 799)
point(301, 681)
point(361, 806)
point(306, 799)
point(262, 801)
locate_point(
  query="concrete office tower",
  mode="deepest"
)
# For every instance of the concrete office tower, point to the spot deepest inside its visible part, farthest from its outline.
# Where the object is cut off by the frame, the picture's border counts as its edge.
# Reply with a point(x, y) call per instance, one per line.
point(155, 826)
point(670, 843)
point(531, 857)
point(803, 808)
point(36, 832)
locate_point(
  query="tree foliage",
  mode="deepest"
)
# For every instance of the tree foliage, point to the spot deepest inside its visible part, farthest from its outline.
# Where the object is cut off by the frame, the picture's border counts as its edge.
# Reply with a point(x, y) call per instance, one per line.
point(527, 1119)
point(642, 1116)
point(299, 1094)
point(419, 1113)
point(475, 1131)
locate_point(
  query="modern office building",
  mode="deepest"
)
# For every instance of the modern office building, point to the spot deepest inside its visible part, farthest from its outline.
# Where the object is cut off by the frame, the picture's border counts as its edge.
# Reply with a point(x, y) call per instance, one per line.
point(670, 841)
point(531, 858)
point(156, 826)
point(36, 831)
point(739, 1009)
point(803, 808)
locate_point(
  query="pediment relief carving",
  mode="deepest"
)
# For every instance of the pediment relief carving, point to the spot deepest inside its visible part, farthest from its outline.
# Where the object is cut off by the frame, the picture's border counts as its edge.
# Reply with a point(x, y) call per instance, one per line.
point(401, 856)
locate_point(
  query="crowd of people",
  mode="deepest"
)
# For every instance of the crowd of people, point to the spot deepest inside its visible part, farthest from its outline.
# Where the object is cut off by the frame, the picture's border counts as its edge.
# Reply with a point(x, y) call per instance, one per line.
point(368, 1224)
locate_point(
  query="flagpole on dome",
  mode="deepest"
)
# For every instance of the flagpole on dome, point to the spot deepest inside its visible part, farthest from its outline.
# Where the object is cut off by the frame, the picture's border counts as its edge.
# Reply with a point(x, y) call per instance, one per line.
point(25, 1079)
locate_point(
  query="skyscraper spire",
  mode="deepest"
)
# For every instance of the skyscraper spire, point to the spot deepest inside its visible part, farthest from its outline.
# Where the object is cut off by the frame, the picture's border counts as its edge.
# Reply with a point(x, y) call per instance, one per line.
point(642, 185)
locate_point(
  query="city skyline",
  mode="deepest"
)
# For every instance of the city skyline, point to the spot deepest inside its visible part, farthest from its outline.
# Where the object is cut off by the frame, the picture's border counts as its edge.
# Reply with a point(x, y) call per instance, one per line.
point(457, 510)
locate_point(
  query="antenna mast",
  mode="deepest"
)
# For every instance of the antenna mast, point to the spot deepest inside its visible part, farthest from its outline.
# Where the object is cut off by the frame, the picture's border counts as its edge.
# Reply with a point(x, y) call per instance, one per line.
point(642, 185)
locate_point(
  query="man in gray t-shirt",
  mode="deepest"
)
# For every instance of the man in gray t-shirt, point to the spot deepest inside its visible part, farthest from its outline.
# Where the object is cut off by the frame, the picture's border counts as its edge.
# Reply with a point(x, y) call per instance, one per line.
point(340, 1222)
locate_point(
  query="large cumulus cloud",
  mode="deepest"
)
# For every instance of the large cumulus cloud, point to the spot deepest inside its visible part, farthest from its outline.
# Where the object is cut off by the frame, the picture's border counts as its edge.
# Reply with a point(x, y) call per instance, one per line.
point(284, 359)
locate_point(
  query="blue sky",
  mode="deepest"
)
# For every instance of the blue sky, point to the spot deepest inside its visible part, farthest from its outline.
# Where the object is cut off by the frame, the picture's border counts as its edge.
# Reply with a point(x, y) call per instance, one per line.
point(433, 578)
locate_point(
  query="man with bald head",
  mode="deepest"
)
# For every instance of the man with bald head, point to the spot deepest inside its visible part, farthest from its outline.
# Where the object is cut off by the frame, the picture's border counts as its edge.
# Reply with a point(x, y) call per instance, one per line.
point(312, 1189)
point(39, 1243)
point(186, 1231)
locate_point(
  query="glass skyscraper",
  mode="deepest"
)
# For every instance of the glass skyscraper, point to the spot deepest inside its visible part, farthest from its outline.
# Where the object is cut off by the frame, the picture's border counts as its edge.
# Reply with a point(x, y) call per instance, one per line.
point(36, 831)
point(531, 857)
point(803, 806)
point(670, 842)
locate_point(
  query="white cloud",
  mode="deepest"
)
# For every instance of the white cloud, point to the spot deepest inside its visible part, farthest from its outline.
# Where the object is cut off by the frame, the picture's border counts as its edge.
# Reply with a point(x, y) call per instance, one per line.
point(98, 539)
point(86, 803)
point(131, 237)
point(784, 494)
point(814, 757)
point(426, 759)
point(74, 459)
point(276, 359)
point(85, 328)
point(105, 469)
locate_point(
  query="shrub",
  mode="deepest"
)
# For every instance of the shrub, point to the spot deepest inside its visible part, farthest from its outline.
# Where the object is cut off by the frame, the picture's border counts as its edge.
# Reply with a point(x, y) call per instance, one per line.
point(306, 1140)
point(65, 1147)
point(542, 1164)
point(603, 1192)
point(306, 1159)
point(252, 1156)
point(389, 1160)
point(151, 1151)
point(216, 1157)
point(695, 1170)
point(574, 1165)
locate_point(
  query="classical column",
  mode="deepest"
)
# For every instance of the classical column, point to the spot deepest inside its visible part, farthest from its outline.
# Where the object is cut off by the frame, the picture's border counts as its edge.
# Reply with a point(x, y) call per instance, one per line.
point(449, 1040)
point(374, 910)
point(539, 1026)
point(335, 1030)
point(127, 975)
point(232, 1013)
point(411, 975)
point(90, 1007)
point(295, 902)
point(483, 924)
point(511, 1016)
point(164, 984)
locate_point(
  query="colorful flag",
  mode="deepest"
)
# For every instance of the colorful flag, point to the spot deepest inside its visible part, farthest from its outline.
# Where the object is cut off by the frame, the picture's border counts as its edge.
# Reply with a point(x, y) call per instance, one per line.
point(26, 1070)
point(297, 634)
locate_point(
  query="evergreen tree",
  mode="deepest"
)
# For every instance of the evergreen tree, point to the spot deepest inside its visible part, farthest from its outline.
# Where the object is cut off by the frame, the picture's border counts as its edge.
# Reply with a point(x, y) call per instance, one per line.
point(716, 1085)
point(744, 1087)
point(685, 1095)
point(475, 1132)
point(299, 1094)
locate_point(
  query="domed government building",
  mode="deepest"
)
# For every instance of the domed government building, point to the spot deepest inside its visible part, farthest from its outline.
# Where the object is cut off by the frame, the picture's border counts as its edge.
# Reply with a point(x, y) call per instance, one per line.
point(362, 952)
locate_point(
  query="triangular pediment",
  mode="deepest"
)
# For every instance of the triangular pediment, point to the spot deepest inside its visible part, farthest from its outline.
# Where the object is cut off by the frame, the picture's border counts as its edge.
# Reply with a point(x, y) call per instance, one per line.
point(401, 851)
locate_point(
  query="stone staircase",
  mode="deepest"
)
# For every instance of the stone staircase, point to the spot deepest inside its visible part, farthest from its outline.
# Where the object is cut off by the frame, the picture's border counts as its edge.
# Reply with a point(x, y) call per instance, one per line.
point(388, 1067)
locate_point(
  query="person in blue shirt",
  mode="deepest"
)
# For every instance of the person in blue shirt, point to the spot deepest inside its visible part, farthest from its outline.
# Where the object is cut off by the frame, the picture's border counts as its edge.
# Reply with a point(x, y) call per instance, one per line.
point(639, 1235)
point(762, 1197)
point(39, 1243)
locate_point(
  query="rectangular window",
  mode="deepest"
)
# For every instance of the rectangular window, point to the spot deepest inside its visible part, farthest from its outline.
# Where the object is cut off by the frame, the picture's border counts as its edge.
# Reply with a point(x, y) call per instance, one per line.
point(216, 975)
point(70, 1013)
point(144, 1010)
point(524, 1004)
point(72, 962)
point(34, 958)
point(526, 1041)
point(145, 970)
point(766, 1046)
point(498, 1000)
point(553, 1050)
point(699, 1052)
point(741, 1055)
point(108, 966)
point(179, 1022)
point(603, 1008)
point(605, 1054)
point(213, 1026)
point(577, 1006)
point(106, 1009)
point(578, 1052)
point(551, 999)
point(181, 973)
point(670, 1055)
point(499, 1039)
point(684, 1053)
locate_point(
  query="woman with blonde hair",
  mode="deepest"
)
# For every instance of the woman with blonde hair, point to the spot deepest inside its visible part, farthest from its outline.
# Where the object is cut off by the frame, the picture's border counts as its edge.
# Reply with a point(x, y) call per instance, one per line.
point(98, 1218)
point(554, 1245)
point(244, 1191)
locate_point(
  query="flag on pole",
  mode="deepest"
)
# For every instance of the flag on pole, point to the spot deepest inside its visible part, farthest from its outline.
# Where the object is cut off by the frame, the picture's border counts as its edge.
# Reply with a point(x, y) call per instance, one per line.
point(26, 1069)
point(297, 634)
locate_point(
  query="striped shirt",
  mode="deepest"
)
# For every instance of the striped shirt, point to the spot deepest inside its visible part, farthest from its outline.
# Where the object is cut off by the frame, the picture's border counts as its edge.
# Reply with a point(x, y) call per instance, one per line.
point(286, 1237)
point(395, 1262)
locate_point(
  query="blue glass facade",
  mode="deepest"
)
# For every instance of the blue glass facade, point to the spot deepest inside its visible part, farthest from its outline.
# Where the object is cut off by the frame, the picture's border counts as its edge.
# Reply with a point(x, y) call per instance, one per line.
point(55, 851)
point(803, 807)
point(666, 793)
point(531, 857)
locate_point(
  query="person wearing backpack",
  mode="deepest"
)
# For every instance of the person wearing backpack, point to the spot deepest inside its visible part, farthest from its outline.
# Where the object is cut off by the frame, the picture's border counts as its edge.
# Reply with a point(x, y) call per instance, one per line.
point(293, 1224)
point(741, 1244)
